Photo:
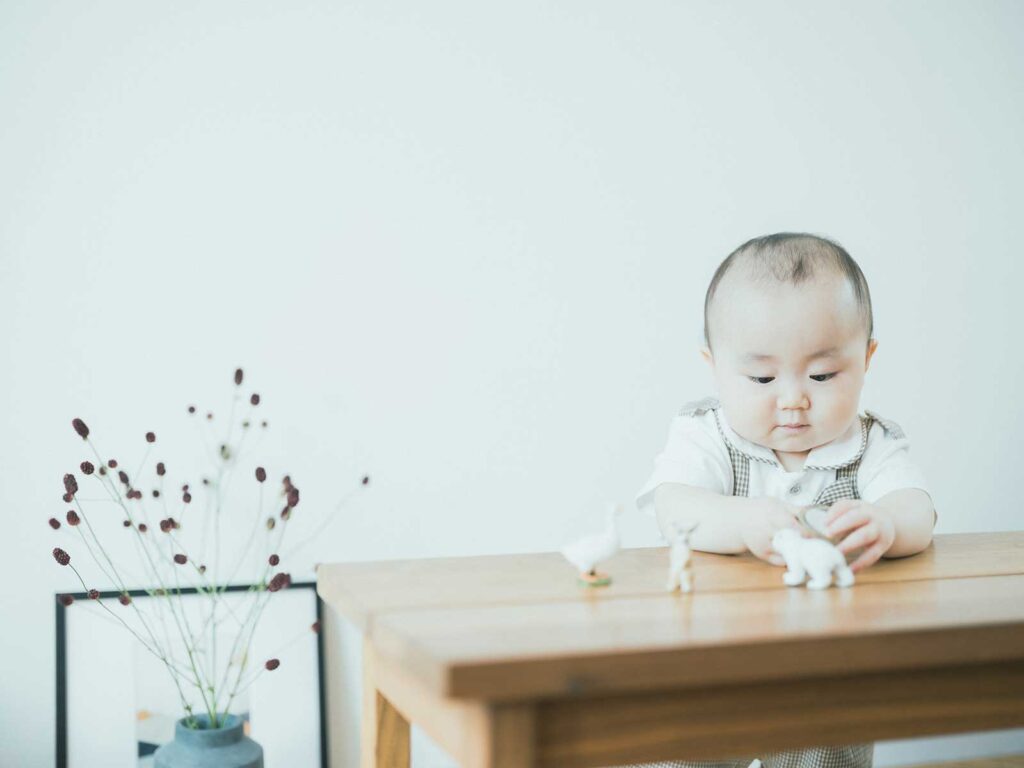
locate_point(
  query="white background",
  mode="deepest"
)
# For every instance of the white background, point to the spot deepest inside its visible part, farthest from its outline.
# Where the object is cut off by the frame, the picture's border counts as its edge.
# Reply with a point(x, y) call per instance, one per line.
point(463, 247)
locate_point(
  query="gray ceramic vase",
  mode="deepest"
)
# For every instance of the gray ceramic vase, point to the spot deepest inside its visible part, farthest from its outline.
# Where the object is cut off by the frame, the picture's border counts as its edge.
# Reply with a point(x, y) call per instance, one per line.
point(226, 747)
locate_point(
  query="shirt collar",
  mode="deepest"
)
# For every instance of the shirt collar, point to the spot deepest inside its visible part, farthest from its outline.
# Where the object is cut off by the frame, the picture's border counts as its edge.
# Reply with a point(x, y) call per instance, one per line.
point(841, 451)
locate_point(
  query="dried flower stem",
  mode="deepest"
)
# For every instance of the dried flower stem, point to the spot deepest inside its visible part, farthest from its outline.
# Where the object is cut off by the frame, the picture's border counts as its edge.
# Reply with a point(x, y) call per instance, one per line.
point(191, 657)
point(248, 645)
point(145, 645)
point(252, 534)
point(326, 521)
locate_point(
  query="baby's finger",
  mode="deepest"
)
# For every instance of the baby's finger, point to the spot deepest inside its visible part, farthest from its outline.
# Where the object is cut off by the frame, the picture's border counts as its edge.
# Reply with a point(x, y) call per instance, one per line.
point(869, 556)
point(839, 507)
point(862, 537)
point(847, 521)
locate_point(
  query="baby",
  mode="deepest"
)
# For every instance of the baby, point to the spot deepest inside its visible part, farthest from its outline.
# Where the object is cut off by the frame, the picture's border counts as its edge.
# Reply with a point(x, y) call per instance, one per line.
point(789, 337)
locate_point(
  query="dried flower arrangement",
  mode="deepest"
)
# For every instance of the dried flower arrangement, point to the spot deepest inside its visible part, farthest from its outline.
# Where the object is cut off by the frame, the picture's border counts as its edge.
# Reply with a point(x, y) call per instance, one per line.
point(189, 653)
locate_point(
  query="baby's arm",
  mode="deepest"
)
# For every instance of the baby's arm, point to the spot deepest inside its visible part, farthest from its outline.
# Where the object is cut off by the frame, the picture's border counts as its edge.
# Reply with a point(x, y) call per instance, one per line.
point(913, 516)
point(727, 524)
point(692, 483)
point(898, 524)
point(896, 515)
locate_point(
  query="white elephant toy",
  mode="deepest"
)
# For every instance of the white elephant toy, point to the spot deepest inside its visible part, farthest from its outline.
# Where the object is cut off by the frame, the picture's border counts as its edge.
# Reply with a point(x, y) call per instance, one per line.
point(815, 557)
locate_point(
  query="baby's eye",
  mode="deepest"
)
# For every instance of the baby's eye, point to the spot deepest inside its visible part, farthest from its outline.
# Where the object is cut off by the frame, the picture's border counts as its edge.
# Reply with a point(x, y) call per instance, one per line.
point(761, 379)
point(823, 376)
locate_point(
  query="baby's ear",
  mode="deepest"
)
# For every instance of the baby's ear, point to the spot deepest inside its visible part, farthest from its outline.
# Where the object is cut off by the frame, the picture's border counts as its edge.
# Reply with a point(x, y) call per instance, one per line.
point(872, 346)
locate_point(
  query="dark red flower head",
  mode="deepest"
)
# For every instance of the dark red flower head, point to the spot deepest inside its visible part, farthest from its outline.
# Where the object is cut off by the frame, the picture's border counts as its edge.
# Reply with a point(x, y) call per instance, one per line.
point(112, 463)
point(366, 479)
point(191, 409)
point(122, 476)
point(273, 559)
point(287, 482)
point(186, 497)
point(261, 474)
point(156, 494)
point(67, 498)
point(202, 569)
point(61, 556)
point(54, 523)
point(143, 527)
point(271, 522)
point(161, 469)
point(94, 594)
point(286, 513)
point(272, 664)
point(86, 467)
point(102, 470)
point(126, 523)
point(150, 437)
point(280, 581)
point(73, 518)
point(255, 399)
point(315, 627)
point(165, 526)
point(238, 376)
point(293, 497)
point(180, 559)
point(70, 484)
point(124, 598)
point(80, 428)
point(66, 600)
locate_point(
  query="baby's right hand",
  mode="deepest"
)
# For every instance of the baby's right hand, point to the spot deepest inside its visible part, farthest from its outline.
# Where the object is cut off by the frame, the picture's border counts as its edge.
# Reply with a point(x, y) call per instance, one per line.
point(766, 516)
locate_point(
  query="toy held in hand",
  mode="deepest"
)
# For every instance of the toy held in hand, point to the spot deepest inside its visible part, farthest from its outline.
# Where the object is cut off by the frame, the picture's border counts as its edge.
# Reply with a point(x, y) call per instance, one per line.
point(812, 520)
point(587, 552)
point(814, 557)
point(680, 568)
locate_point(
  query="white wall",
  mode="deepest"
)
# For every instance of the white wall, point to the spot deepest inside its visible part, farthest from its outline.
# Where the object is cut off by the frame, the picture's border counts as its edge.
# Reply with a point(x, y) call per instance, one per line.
point(463, 247)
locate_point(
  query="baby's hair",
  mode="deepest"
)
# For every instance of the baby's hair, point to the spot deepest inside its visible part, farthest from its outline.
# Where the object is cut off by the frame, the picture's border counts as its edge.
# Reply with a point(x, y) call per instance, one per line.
point(793, 257)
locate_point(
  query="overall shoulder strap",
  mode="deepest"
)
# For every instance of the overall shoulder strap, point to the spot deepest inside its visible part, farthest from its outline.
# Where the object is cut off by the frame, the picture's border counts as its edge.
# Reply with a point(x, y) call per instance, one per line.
point(845, 485)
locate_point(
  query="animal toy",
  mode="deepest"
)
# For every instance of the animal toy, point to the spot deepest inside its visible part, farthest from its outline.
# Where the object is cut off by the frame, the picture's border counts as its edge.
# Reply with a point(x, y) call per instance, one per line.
point(585, 553)
point(816, 557)
point(680, 567)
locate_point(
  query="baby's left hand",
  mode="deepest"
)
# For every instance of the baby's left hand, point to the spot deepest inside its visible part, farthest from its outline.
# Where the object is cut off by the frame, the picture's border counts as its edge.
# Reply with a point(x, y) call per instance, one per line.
point(871, 528)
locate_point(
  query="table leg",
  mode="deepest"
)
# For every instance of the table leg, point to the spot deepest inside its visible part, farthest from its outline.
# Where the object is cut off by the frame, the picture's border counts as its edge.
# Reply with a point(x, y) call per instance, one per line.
point(385, 732)
point(512, 742)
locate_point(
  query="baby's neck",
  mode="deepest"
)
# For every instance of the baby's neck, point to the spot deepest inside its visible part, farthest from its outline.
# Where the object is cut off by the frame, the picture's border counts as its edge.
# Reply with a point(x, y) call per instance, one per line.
point(792, 462)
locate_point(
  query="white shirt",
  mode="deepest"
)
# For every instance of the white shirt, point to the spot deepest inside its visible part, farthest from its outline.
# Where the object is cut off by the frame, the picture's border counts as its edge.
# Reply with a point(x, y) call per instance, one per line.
point(696, 454)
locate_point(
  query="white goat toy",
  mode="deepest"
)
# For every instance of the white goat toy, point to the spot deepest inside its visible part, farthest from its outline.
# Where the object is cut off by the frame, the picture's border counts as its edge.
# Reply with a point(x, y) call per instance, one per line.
point(680, 569)
point(816, 556)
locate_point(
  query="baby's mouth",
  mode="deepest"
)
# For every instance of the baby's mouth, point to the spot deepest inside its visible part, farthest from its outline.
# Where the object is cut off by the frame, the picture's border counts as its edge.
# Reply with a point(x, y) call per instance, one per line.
point(793, 427)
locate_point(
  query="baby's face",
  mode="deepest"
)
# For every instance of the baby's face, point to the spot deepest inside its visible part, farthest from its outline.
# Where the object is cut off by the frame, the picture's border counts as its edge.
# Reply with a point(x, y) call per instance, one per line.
point(788, 361)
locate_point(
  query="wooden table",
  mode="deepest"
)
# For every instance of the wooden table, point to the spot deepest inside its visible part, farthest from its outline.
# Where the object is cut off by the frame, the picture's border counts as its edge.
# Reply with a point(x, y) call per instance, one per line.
point(506, 663)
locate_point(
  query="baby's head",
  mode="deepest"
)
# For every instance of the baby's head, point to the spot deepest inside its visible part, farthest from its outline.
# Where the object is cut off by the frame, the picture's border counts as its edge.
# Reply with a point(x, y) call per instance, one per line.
point(788, 335)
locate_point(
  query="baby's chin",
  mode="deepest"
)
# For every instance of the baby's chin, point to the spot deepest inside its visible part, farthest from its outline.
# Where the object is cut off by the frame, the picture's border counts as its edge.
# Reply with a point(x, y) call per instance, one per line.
point(801, 440)
point(793, 441)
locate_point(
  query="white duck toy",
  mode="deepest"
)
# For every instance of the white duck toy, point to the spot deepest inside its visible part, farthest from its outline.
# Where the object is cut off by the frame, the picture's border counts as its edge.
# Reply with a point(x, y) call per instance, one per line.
point(815, 556)
point(587, 552)
point(680, 569)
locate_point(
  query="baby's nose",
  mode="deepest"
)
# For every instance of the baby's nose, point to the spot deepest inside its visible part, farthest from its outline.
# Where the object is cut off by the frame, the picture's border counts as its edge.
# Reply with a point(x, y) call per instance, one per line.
point(793, 398)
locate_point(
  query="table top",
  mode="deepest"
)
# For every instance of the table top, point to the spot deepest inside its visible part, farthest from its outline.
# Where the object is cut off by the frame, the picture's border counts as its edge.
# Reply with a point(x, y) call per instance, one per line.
point(519, 626)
